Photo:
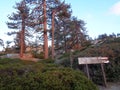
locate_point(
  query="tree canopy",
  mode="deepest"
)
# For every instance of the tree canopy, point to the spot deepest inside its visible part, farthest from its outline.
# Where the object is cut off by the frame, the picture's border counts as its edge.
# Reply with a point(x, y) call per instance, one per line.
point(36, 15)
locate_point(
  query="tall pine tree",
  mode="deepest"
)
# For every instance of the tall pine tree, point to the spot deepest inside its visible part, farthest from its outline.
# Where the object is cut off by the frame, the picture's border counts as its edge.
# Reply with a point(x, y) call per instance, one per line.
point(18, 21)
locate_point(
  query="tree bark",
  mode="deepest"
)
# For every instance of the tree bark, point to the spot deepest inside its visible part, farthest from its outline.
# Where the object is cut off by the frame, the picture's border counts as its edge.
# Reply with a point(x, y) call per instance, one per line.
point(22, 38)
point(22, 34)
point(45, 31)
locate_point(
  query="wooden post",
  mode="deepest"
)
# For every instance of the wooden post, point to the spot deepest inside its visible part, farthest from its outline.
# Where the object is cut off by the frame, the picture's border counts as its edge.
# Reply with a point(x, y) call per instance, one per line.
point(104, 76)
point(71, 58)
point(87, 70)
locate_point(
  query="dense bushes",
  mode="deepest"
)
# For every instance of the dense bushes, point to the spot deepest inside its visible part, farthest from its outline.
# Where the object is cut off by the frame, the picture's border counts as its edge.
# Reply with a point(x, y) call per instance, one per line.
point(22, 75)
point(109, 47)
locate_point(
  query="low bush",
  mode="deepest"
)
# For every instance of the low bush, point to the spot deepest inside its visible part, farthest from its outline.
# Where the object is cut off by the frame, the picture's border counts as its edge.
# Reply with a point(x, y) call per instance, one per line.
point(20, 75)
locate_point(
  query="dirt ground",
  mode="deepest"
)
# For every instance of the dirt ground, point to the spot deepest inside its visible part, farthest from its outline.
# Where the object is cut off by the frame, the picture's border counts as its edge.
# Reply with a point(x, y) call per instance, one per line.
point(110, 86)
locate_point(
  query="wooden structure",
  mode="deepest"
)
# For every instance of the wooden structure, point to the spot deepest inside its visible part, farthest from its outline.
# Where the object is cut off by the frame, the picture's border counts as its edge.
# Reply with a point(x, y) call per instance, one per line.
point(94, 60)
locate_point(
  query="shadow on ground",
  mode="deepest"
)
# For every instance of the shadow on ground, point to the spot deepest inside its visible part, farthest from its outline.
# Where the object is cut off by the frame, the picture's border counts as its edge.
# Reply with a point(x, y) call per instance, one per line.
point(111, 86)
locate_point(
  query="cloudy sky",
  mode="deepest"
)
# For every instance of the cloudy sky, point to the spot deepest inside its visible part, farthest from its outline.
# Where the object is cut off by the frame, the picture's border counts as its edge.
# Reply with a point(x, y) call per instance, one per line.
point(100, 16)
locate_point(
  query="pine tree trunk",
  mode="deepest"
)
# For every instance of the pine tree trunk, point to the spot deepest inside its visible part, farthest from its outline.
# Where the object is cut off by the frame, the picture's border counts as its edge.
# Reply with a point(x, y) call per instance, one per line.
point(22, 39)
point(22, 35)
point(45, 31)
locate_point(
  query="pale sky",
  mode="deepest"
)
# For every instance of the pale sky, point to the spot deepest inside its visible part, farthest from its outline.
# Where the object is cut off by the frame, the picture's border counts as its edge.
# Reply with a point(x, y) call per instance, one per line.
point(100, 16)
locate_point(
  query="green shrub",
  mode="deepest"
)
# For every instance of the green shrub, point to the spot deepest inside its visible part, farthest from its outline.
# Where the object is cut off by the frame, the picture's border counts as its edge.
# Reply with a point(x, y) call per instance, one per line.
point(38, 55)
point(41, 76)
point(66, 79)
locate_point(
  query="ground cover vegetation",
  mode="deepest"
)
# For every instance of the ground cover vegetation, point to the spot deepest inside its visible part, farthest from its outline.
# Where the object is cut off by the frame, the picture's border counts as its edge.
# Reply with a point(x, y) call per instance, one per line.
point(43, 75)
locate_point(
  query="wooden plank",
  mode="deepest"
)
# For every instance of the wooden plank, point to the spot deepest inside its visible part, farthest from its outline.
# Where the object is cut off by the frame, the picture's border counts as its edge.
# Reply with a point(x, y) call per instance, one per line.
point(93, 60)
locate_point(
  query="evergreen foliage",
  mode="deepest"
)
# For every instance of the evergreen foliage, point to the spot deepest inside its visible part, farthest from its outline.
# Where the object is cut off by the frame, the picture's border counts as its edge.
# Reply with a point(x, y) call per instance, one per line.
point(43, 75)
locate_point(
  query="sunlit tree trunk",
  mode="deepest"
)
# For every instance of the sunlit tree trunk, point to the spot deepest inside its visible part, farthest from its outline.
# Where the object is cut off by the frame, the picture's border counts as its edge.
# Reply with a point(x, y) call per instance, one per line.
point(22, 34)
point(45, 31)
point(22, 38)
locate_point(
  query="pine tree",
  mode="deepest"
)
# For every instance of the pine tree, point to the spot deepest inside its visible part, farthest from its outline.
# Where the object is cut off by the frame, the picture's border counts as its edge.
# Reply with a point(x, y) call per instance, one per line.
point(19, 22)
